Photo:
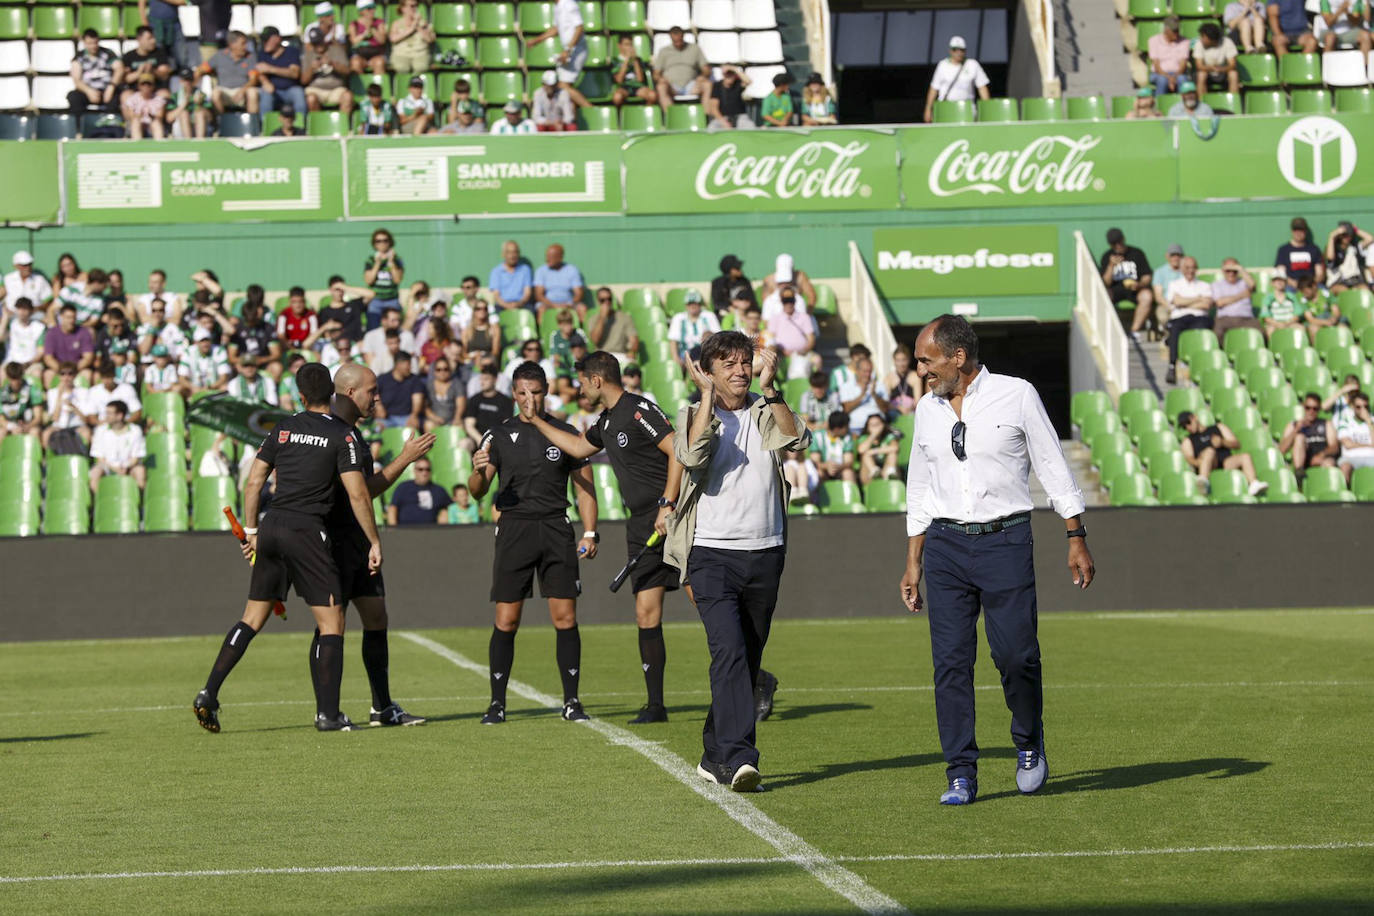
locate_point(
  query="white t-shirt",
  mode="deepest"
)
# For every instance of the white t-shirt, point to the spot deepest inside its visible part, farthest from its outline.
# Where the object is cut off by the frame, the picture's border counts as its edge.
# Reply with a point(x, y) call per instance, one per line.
point(740, 507)
point(1179, 287)
point(95, 399)
point(36, 289)
point(203, 370)
point(851, 389)
point(64, 408)
point(567, 16)
point(118, 448)
point(503, 127)
point(169, 299)
point(690, 332)
point(261, 389)
point(374, 349)
point(169, 335)
point(772, 305)
point(157, 378)
point(24, 340)
point(459, 316)
point(956, 82)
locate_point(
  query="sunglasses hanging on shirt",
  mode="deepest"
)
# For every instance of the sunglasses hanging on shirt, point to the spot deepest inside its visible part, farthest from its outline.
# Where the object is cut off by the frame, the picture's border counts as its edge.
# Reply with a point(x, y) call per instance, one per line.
point(956, 440)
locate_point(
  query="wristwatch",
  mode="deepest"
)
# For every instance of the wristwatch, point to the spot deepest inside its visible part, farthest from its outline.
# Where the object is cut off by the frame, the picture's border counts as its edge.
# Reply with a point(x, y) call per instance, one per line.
point(591, 536)
point(665, 501)
point(1079, 532)
point(774, 398)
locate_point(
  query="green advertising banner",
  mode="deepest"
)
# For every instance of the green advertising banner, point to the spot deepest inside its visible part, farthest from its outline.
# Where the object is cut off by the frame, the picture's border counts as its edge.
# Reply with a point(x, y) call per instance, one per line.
point(484, 175)
point(1030, 165)
point(32, 193)
point(202, 181)
point(762, 170)
point(1314, 156)
point(966, 261)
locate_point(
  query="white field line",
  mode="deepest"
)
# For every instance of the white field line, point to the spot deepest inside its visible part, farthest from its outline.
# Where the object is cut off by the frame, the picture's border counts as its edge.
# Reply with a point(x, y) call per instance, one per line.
point(679, 863)
point(793, 848)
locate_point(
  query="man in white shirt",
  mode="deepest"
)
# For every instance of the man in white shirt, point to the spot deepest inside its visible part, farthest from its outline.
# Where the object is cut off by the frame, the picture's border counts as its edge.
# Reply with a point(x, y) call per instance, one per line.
point(1190, 306)
point(118, 447)
point(567, 25)
point(157, 290)
point(251, 385)
point(374, 348)
point(160, 330)
point(206, 366)
point(957, 78)
point(26, 283)
point(514, 122)
point(552, 108)
point(976, 438)
point(23, 337)
point(862, 396)
point(689, 329)
point(106, 391)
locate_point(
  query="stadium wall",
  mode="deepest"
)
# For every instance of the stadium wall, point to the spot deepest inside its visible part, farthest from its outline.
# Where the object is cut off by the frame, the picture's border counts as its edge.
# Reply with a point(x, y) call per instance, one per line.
point(840, 566)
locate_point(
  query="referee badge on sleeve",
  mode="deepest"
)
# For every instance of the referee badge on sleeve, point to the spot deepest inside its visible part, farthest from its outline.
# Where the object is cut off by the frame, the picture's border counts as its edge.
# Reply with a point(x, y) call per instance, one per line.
point(553, 453)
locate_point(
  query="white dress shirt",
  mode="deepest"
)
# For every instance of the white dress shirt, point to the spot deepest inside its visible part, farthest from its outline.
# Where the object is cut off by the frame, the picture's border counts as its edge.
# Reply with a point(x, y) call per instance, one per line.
point(1006, 432)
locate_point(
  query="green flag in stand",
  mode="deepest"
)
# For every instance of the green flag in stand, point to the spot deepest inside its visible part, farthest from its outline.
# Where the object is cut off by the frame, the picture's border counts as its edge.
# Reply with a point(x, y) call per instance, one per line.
point(246, 421)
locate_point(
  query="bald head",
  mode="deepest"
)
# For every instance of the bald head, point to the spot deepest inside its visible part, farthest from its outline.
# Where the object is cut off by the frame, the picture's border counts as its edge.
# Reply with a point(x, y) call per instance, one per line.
point(357, 385)
point(351, 375)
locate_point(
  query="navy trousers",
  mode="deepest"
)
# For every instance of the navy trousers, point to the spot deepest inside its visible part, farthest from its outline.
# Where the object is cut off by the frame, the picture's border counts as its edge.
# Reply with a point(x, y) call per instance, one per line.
point(736, 592)
point(995, 572)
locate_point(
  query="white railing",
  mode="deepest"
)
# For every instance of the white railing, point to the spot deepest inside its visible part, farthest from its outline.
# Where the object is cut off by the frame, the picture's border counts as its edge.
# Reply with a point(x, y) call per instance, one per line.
point(816, 18)
point(1040, 15)
point(867, 313)
point(1097, 316)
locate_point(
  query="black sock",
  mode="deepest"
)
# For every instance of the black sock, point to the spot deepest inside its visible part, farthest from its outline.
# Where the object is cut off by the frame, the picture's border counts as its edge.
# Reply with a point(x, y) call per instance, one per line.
point(500, 657)
point(653, 655)
point(329, 669)
point(235, 644)
point(568, 651)
point(375, 661)
point(314, 674)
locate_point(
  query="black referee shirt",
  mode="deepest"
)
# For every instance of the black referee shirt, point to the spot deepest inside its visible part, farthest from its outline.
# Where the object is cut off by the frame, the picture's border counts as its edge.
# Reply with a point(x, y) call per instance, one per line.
point(630, 433)
point(310, 450)
point(533, 471)
point(341, 515)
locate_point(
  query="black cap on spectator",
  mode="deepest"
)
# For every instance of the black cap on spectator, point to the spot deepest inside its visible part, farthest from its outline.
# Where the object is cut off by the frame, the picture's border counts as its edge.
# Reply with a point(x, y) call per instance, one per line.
point(315, 36)
point(287, 111)
point(1115, 236)
point(417, 81)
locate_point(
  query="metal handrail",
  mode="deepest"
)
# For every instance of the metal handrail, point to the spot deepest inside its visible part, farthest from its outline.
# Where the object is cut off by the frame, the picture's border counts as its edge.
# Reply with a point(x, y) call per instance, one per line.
point(867, 311)
point(1098, 317)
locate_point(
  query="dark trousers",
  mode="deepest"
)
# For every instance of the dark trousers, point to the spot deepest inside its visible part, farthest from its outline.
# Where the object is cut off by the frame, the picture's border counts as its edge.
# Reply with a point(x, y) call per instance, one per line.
point(994, 571)
point(735, 592)
point(1184, 323)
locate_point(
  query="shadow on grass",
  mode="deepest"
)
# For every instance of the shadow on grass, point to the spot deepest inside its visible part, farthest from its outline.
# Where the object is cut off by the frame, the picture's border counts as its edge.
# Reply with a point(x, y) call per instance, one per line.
point(788, 713)
point(1141, 774)
point(833, 770)
point(25, 739)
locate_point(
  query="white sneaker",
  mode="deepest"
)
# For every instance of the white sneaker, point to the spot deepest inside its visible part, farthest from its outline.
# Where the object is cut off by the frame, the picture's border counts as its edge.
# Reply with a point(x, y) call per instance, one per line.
point(1031, 770)
point(746, 779)
point(1258, 487)
point(1204, 485)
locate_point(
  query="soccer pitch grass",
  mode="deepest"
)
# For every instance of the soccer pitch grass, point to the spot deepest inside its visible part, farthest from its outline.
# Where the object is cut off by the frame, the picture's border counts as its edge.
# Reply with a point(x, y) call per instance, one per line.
point(1200, 762)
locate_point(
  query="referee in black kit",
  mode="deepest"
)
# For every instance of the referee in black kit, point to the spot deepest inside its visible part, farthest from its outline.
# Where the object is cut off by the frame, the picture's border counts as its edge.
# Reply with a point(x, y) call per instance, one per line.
point(309, 451)
point(977, 435)
point(729, 535)
point(534, 535)
point(638, 440)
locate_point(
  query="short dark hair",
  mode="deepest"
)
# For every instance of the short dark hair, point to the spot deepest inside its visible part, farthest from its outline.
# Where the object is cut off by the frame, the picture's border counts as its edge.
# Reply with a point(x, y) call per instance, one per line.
point(752, 308)
point(67, 307)
point(1185, 417)
point(530, 371)
point(837, 420)
point(295, 291)
point(953, 332)
point(1312, 396)
point(1115, 236)
point(314, 384)
point(1211, 31)
point(23, 302)
point(460, 486)
point(66, 365)
point(106, 369)
point(96, 275)
point(818, 379)
point(489, 369)
point(14, 371)
point(335, 279)
point(860, 350)
point(722, 344)
point(138, 32)
point(235, 35)
point(119, 407)
point(392, 333)
point(402, 356)
point(158, 270)
point(115, 311)
point(532, 340)
point(90, 33)
point(476, 282)
point(600, 364)
point(1358, 396)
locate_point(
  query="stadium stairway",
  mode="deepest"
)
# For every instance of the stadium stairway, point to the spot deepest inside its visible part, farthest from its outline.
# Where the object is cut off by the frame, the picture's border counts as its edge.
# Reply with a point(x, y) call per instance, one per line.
point(796, 52)
point(1088, 47)
point(1149, 363)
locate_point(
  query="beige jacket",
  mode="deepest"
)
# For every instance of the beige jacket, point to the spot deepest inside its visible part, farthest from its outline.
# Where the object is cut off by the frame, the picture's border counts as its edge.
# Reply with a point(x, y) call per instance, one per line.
point(695, 458)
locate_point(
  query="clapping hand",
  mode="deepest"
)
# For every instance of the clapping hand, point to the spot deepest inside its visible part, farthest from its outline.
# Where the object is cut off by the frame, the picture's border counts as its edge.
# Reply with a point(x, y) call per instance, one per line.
point(769, 370)
point(705, 384)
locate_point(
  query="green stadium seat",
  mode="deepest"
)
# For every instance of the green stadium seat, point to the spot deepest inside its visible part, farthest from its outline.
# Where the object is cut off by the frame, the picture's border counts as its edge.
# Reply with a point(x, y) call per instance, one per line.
point(500, 87)
point(1195, 9)
point(840, 497)
point(517, 325)
point(1224, 102)
point(1355, 100)
point(1280, 414)
point(394, 439)
point(1109, 443)
point(1177, 400)
point(827, 303)
point(1267, 460)
point(1217, 380)
point(1313, 378)
point(1144, 31)
point(1266, 102)
point(592, 20)
point(53, 22)
point(1136, 400)
point(1229, 488)
point(1263, 379)
point(686, 117)
point(1139, 424)
point(1087, 108)
point(1165, 462)
point(1124, 464)
point(66, 517)
point(451, 18)
point(1196, 340)
point(1361, 369)
point(996, 111)
point(948, 112)
point(498, 52)
point(1148, 9)
point(1086, 403)
point(1121, 105)
point(800, 508)
point(25, 447)
point(597, 119)
point(165, 517)
point(1259, 71)
point(638, 298)
point(624, 16)
point(599, 53)
point(1283, 486)
point(535, 16)
point(1355, 299)
point(641, 118)
point(1131, 490)
point(18, 519)
point(1285, 340)
point(1362, 484)
point(104, 19)
point(114, 517)
point(1300, 69)
point(14, 22)
point(1096, 424)
point(1248, 361)
point(495, 18)
point(1227, 399)
point(209, 496)
point(1180, 489)
point(887, 496)
point(1239, 340)
point(1333, 337)
point(1037, 109)
point(1309, 101)
point(326, 124)
point(1269, 398)
point(1245, 421)
point(1191, 29)
point(1326, 485)
point(1165, 103)
point(1156, 441)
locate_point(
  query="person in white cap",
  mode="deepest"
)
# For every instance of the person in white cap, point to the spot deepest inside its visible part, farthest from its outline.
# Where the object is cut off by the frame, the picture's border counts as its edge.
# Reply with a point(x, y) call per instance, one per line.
point(552, 109)
point(514, 122)
point(785, 273)
point(327, 22)
point(26, 283)
point(567, 25)
point(956, 78)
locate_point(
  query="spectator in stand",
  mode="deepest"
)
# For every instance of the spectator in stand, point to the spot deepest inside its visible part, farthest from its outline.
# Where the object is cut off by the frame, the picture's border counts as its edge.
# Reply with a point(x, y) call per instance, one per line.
point(1298, 257)
point(1345, 264)
point(785, 273)
point(118, 448)
point(1214, 60)
point(776, 107)
point(482, 337)
point(568, 27)
point(251, 385)
point(367, 40)
point(1199, 114)
point(97, 74)
point(1343, 21)
point(401, 396)
point(845, 373)
point(818, 402)
point(378, 116)
point(1357, 437)
point(680, 70)
point(903, 383)
point(732, 284)
point(1319, 310)
point(22, 333)
point(205, 367)
point(1338, 403)
point(68, 273)
point(725, 106)
point(21, 403)
point(1312, 440)
point(212, 320)
point(255, 337)
point(331, 30)
point(862, 397)
point(800, 473)
point(552, 108)
point(87, 296)
point(1126, 272)
point(1245, 20)
point(298, 321)
point(957, 78)
point(613, 330)
point(488, 407)
point(563, 341)
point(288, 393)
point(66, 422)
point(633, 77)
point(162, 19)
point(558, 285)
point(236, 78)
point(511, 282)
point(1212, 448)
point(414, 110)
point(530, 351)
point(411, 36)
point(419, 501)
point(513, 122)
point(344, 311)
point(462, 511)
point(878, 447)
point(465, 115)
point(374, 349)
point(115, 294)
point(145, 57)
point(1190, 306)
point(817, 105)
point(833, 453)
point(125, 369)
point(383, 273)
point(633, 379)
point(112, 331)
point(1163, 275)
point(1144, 106)
point(445, 401)
point(436, 340)
point(690, 327)
point(1168, 52)
point(67, 342)
point(1280, 307)
point(1231, 296)
point(157, 290)
point(280, 63)
point(26, 283)
point(338, 352)
point(189, 111)
point(158, 331)
point(464, 305)
point(108, 388)
point(325, 73)
point(162, 374)
point(1288, 25)
point(286, 122)
point(795, 332)
point(751, 326)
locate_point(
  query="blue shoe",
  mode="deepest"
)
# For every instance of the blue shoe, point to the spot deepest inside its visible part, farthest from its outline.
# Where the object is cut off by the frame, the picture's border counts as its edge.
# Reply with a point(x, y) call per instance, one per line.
point(1031, 771)
point(961, 792)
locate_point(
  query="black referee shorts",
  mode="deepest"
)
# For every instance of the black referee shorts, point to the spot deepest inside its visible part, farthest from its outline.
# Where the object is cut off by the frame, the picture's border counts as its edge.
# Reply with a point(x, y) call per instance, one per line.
point(350, 556)
point(651, 571)
point(525, 546)
point(295, 552)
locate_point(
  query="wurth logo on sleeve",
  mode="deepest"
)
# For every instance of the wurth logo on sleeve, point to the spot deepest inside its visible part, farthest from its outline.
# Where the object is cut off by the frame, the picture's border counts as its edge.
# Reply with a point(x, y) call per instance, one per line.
point(303, 439)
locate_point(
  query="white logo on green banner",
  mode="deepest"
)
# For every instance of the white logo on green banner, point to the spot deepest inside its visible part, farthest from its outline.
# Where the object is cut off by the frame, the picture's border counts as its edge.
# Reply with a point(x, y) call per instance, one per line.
point(963, 261)
point(1052, 163)
point(816, 169)
point(1317, 155)
point(134, 181)
point(411, 174)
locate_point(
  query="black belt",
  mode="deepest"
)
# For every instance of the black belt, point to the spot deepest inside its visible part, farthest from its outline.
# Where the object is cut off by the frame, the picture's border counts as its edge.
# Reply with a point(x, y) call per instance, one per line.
point(992, 527)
